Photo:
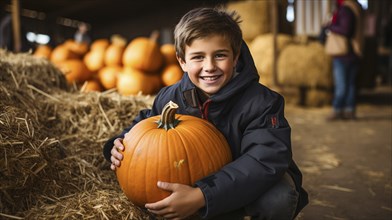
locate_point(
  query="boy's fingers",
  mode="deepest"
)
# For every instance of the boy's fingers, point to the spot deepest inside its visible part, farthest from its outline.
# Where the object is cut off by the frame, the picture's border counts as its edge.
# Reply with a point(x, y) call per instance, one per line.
point(156, 207)
point(119, 147)
point(118, 144)
point(165, 186)
point(112, 167)
point(116, 154)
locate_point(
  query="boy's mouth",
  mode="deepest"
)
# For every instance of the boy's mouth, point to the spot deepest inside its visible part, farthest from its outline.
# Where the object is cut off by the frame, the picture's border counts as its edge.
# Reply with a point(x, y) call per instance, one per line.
point(210, 78)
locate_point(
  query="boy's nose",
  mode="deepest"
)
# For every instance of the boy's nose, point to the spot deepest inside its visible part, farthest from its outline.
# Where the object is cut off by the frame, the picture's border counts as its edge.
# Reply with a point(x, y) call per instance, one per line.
point(209, 65)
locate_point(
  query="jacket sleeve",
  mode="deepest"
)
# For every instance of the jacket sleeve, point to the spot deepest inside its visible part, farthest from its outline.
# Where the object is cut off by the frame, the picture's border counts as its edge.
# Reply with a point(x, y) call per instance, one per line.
point(265, 157)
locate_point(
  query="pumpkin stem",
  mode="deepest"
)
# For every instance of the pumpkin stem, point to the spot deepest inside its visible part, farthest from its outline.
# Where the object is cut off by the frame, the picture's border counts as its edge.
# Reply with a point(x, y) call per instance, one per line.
point(154, 36)
point(168, 120)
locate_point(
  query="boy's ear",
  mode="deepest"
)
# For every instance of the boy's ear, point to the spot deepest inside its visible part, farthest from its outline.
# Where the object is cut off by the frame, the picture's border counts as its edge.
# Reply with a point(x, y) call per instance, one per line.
point(182, 63)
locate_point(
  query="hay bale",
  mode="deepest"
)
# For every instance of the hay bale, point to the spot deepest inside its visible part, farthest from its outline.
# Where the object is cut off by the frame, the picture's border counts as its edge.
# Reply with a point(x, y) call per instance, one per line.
point(51, 140)
point(305, 65)
point(255, 17)
point(262, 51)
point(38, 72)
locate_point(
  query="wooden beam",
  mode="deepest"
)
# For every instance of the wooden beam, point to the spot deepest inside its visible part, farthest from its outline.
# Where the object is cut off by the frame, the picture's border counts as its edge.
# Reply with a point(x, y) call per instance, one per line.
point(275, 41)
point(16, 25)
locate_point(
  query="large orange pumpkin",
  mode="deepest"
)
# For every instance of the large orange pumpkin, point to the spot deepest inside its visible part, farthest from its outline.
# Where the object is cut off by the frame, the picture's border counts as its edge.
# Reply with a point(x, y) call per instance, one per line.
point(172, 148)
point(143, 54)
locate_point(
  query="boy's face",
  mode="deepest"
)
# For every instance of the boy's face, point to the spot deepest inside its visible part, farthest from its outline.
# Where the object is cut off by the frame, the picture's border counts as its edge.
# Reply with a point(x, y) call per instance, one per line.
point(209, 62)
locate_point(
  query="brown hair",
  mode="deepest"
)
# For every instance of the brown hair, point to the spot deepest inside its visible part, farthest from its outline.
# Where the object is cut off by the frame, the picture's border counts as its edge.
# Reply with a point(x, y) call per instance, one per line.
point(202, 22)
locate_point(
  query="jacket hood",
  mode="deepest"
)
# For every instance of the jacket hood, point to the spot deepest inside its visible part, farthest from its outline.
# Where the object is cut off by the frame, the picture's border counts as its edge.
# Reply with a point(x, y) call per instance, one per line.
point(246, 74)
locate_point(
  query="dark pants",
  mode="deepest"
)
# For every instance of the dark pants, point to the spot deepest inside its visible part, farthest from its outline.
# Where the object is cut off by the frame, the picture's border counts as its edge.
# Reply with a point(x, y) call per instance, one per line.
point(344, 75)
point(279, 203)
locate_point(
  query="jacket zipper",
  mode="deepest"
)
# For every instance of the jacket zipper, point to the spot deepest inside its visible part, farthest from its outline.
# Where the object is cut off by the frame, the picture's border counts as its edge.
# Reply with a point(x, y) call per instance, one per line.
point(204, 109)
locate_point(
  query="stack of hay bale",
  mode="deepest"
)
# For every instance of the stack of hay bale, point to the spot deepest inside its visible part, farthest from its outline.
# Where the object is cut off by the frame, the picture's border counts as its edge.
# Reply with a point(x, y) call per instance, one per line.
point(304, 73)
point(263, 54)
point(51, 137)
point(305, 66)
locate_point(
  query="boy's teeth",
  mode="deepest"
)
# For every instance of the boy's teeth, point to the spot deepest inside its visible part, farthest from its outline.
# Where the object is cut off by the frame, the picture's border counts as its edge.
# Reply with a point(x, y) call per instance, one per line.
point(210, 77)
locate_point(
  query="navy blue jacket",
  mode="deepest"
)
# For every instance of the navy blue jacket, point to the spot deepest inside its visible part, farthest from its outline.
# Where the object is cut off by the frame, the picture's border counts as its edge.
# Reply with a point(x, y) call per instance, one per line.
point(251, 117)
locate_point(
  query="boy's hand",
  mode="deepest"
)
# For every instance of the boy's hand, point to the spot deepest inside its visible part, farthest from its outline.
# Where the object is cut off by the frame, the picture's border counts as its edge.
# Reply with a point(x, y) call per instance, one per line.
point(116, 157)
point(183, 202)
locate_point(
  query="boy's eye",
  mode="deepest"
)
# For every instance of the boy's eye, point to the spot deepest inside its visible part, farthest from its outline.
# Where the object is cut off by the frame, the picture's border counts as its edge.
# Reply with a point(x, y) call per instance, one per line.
point(220, 55)
point(197, 58)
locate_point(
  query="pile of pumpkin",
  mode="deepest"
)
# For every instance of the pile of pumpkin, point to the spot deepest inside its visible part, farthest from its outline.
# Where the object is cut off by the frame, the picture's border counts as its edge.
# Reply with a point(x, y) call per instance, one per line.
point(140, 66)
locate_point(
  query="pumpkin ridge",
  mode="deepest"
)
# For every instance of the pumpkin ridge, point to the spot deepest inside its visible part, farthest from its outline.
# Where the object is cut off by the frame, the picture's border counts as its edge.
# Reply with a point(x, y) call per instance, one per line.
point(189, 161)
point(157, 137)
point(188, 135)
point(135, 161)
point(151, 147)
point(127, 162)
point(209, 151)
point(166, 169)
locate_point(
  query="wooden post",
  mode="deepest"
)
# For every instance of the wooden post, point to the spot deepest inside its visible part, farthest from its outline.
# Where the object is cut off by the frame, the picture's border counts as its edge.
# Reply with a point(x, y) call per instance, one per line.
point(275, 41)
point(16, 25)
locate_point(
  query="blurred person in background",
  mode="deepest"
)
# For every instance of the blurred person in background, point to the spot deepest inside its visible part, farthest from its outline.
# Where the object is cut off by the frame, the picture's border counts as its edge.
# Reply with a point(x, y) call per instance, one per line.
point(347, 20)
point(81, 35)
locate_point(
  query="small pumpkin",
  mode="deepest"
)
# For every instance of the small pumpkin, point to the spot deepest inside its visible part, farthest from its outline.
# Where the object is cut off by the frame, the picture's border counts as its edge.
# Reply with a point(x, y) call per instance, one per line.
point(171, 74)
point(108, 76)
point(101, 44)
point(132, 81)
point(172, 148)
point(118, 40)
point(144, 54)
point(169, 54)
point(43, 51)
point(74, 70)
point(62, 53)
point(95, 59)
point(92, 85)
point(79, 48)
point(113, 55)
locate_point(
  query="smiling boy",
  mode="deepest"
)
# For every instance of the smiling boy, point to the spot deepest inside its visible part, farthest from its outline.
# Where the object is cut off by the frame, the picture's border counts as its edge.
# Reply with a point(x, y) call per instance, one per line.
point(221, 85)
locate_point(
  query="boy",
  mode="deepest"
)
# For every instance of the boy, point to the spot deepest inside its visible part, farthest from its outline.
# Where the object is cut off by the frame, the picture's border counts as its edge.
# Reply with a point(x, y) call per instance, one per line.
point(220, 84)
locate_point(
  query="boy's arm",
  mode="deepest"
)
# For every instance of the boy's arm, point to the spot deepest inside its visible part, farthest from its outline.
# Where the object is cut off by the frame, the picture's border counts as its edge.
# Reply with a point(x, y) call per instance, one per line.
point(265, 157)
